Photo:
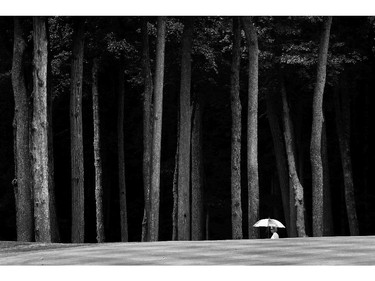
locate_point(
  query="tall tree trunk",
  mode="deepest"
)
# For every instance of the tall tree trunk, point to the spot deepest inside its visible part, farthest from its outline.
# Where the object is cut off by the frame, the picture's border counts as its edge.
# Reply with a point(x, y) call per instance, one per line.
point(299, 145)
point(294, 180)
point(147, 133)
point(207, 226)
point(197, 182)
point(40, 133)
point(174, 190)
point(236, 133)
point(297, 150)
point(252, 127)
point(109, 182)
point(343, 131)
point(156, 133)
point(175, 183)
point(100, 237)
point(121, 156)
point(366, 153)
point(316, 133)
point(292, 209)
point(183, 183)
point(327, 205)
point(280, 155)
point(23, 182)
point(53, 213)
point(76, 137)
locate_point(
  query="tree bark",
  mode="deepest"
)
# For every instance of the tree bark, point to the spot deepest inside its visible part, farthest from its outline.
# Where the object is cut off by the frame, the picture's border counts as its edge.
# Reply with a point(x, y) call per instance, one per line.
point(294, 180)
point(327, 202)
point(343, 131)
point(23, 179)
point(174, 190)
point(252, 128)
point(236, 133)
point(157, 122)
point(184, 213)
point(297, 133)
point(147, 128)
point(100, 236)
point(53, 212)
point(366, 153)
point(121, 156)
point(40, 133)
point(76, 137)
point(281, 159)
point(316, 133)
point(197, 182)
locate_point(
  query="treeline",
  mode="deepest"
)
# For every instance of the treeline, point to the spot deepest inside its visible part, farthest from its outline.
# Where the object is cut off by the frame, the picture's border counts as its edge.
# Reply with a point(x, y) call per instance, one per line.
point(185, 128)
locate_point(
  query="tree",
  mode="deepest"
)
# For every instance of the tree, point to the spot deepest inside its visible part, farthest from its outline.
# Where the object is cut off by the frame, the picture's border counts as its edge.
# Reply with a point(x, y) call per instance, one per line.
point(281, 158)
point(121, 155)
point(342, 116)
point(51, 160)
point(316, 132)
point(327, 205)
point(174, 190)
point(183, 182)
point(100, 236)
point(147, 133)
point(294, 180)
point(236, 133)
point(156, 133)
point(76, 135)
point(252, 127)
point(23, 180)
point(197, 172)
point(40, 162)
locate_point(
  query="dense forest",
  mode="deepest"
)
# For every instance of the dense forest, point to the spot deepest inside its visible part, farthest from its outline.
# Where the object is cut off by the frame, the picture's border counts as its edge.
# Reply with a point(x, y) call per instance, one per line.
point(140, 128)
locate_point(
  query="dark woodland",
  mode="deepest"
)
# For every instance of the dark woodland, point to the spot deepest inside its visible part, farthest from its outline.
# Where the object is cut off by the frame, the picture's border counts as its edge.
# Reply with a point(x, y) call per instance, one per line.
point(142, 128)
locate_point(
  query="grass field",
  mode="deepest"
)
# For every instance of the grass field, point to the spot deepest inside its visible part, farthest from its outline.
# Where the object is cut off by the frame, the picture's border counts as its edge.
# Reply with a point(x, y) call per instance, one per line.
point(359, 250)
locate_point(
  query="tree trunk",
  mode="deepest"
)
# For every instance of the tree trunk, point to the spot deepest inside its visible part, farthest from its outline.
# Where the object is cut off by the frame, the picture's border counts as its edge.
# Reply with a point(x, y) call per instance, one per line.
point(207, 226)
point(183, 183)
point(121, 156)
point(299, 144)
point(174, 190)
point(252, 128)
point(366, 153)
point(147, 133)
point(298, 154)
point(76, 137)
point(316, 133)
point(236, 133)
point(294, 180)
point(156, 133)
point(100, 237)
point(197, 204)
point(327, 205)
point(23, 179)
point(343, 132)
point(281, 161)
point(53, 213)
point(40, 133)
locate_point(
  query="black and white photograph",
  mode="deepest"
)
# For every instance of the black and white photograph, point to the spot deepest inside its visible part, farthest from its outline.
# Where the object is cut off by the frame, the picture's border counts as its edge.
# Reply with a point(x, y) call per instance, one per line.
point(206, 138)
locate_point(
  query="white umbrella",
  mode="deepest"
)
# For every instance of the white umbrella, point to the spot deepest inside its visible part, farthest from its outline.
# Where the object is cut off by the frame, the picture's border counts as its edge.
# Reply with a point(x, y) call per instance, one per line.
point(268, 223)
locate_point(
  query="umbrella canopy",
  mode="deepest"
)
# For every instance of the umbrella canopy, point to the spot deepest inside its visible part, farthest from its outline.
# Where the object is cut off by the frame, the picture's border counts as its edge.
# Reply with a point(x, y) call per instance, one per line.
point(268, 223)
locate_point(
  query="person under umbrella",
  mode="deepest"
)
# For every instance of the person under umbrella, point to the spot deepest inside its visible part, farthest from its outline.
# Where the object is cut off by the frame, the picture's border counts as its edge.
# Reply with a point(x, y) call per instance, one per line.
point(270, 223)
point(274, 232)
